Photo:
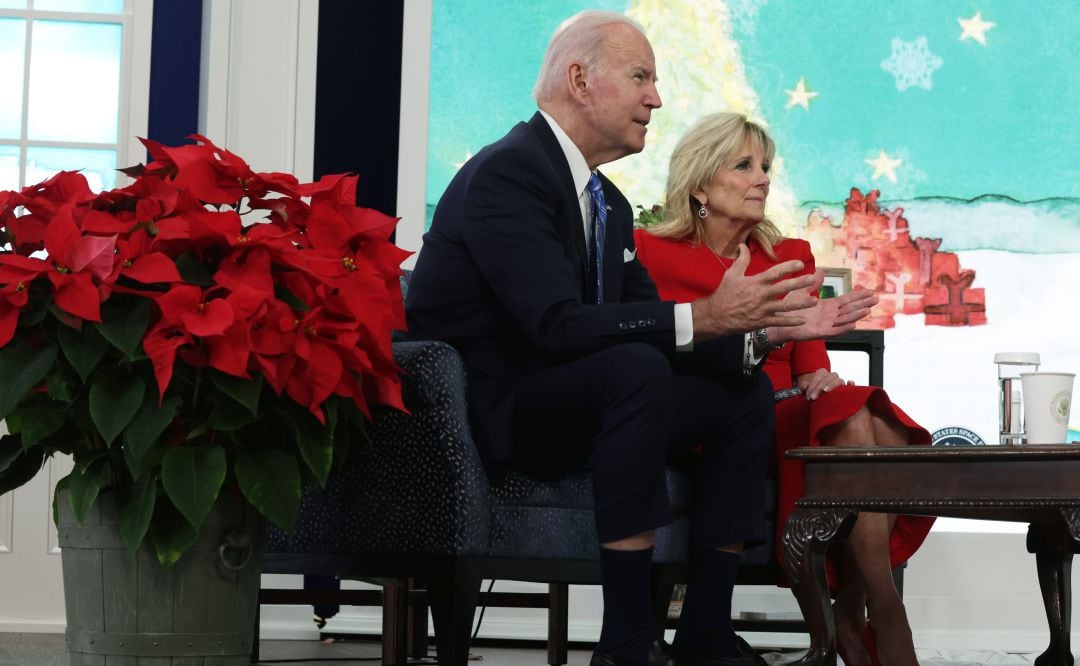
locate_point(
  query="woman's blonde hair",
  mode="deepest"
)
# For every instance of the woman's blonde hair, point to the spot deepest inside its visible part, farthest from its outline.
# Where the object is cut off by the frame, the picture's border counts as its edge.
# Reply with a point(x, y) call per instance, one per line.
point(705, 148)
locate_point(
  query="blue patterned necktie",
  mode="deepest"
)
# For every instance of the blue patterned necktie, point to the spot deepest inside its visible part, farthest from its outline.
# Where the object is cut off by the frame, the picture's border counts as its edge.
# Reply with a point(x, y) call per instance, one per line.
point(599, 226)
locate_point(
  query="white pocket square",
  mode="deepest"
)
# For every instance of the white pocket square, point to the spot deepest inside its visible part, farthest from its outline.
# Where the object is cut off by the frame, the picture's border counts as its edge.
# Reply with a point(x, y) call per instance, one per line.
point(628, 255)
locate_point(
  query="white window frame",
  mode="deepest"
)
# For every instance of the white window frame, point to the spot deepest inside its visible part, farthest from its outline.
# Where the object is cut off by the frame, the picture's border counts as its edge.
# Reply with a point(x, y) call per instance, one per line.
point(133, 107)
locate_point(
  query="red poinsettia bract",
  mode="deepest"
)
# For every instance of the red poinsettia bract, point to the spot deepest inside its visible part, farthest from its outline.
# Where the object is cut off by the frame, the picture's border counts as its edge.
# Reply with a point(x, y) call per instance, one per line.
point(247, 273)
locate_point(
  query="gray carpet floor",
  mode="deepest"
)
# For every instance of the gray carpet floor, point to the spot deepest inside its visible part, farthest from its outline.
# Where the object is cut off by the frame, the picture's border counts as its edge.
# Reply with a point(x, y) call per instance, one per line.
point(48, 650)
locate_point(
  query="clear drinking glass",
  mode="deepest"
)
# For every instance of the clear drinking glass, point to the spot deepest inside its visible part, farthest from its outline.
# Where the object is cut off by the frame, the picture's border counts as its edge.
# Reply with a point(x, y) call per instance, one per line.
point(1010, 395)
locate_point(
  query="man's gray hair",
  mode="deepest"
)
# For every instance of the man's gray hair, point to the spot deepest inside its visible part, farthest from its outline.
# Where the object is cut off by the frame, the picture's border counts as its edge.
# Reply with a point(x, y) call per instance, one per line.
point(579, 38)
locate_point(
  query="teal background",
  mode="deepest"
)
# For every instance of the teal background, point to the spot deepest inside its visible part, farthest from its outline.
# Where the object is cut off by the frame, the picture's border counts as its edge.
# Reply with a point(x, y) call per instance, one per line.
point(484, 58)
point(999, 119)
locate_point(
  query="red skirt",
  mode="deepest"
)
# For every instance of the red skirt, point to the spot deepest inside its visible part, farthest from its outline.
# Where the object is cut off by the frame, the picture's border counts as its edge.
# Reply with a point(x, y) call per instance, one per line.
point(799, 422)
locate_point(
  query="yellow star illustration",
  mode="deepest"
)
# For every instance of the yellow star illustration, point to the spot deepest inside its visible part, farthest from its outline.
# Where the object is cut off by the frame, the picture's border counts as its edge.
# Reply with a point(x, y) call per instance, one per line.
point(975, 28)
point(800, 96)
point(884, 166)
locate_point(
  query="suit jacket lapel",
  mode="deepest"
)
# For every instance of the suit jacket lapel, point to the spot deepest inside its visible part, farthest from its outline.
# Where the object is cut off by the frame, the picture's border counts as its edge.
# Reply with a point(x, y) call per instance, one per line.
point(558, 159)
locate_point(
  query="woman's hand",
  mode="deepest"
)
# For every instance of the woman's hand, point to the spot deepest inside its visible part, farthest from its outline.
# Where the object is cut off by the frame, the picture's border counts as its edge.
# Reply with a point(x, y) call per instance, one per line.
point(828, 316)
point(817, 382)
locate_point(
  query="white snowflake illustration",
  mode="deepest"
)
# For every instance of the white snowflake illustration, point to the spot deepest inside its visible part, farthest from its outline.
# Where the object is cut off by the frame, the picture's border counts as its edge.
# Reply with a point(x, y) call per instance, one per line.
point(911, 64)
point(744, 14)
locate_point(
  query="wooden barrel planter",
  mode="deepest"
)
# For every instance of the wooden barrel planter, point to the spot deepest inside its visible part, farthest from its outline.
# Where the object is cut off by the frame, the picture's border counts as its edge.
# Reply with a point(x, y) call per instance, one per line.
point(130, 611)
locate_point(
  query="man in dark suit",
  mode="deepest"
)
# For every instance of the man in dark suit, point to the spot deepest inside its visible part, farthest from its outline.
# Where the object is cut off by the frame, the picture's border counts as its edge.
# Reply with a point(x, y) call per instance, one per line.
point(529, 270)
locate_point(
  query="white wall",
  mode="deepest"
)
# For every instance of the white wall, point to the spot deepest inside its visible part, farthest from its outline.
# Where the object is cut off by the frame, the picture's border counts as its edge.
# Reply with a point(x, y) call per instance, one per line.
point(258, 81)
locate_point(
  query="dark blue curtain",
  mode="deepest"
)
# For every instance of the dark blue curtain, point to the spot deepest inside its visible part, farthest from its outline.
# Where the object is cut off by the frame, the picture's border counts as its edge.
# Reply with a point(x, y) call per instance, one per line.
point(174, 70)
point(358, 96)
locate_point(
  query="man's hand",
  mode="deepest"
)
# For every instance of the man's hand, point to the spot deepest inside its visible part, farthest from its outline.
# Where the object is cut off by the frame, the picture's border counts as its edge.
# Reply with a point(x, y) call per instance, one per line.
point(745, 303)
point(828, 317)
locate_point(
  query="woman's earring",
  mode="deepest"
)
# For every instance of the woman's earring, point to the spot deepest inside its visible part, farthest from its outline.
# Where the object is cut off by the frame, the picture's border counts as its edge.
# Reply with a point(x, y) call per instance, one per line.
point(701, 212)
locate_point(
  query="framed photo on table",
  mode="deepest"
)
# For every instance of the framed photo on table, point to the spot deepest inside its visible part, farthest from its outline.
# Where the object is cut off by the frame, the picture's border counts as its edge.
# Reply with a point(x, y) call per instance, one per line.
point(837, 282)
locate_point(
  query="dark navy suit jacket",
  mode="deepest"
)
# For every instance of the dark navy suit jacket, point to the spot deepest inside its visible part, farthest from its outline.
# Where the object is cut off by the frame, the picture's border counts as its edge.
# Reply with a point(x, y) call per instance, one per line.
point(503, 276)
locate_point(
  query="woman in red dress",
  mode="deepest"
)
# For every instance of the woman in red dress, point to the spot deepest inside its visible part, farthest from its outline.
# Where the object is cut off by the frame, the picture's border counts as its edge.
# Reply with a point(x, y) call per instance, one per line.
point(714, 210)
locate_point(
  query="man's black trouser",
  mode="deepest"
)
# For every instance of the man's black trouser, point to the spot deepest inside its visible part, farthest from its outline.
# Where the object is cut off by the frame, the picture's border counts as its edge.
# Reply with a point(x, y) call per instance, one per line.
point(626, 412)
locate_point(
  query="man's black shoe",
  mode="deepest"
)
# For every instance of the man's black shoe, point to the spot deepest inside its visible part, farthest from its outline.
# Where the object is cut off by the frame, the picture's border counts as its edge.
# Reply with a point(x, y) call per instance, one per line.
point(746, 650)
point(747, 657)
point(660, 654)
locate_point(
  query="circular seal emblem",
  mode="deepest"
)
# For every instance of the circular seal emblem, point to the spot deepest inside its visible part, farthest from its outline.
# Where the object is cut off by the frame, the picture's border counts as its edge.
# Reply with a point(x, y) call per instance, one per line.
point(956, 436)
point(1059, 406)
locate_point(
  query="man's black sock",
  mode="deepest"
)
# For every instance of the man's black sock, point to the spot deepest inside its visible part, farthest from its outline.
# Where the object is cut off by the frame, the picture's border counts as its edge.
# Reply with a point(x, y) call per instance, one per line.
point(705, 623)
point(628, 628)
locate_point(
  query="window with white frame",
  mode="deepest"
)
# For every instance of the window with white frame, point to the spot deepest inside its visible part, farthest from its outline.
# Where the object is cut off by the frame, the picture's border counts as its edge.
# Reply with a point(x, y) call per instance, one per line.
point(67, 88)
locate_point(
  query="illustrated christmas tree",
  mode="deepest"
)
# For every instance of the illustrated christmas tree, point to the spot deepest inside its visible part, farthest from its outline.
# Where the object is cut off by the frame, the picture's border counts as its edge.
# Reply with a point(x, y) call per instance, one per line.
point(700, 71)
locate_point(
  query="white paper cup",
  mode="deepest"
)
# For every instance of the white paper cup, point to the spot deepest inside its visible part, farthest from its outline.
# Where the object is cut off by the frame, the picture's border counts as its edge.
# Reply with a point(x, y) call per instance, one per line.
point(1047, 399)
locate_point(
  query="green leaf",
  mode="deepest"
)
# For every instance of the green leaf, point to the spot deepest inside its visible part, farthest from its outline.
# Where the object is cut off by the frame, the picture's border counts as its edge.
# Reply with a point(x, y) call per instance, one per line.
point(61, 486)
point(271, 482)
point(137, 511)
point(83, 349)
point(244, 391)
point(194, 272)
point(10, 448)
point(22, 367)
point(192, 477)
point(228, 417)
point(40, 420)
point(145, 429)
point(80, 414)
point(285, 295)
point(123, 324)
point(350, 426)
point(316, 446)
point(170, 533)
point(59, 386)
point(85, 483)
point(40, 300)
point(360, 425)
point(14, 422)
point(20, 469)
point(113, 404)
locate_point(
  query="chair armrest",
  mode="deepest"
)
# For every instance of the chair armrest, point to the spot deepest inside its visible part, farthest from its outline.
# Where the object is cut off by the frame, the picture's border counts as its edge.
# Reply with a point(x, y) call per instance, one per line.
point(416, 485)
point(872, 343)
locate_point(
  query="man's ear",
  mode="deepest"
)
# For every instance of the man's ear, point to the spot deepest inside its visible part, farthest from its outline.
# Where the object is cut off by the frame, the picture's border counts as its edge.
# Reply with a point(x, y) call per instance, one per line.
point(577, 78)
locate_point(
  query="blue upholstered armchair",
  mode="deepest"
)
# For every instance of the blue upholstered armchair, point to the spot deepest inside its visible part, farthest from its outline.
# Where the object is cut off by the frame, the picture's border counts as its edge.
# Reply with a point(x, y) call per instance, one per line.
point(413, 501)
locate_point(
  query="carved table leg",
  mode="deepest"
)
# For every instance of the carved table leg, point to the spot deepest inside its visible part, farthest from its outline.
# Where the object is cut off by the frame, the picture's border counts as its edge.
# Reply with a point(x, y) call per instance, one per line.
point(1053, 550)
point(807, 536)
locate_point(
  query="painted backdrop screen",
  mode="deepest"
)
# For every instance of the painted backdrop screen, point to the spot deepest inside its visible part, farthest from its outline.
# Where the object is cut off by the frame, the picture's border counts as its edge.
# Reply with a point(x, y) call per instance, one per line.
point(929, 147)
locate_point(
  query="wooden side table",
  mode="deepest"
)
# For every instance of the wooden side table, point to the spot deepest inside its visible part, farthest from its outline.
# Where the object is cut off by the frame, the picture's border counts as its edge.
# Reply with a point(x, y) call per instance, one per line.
point(1031, 484)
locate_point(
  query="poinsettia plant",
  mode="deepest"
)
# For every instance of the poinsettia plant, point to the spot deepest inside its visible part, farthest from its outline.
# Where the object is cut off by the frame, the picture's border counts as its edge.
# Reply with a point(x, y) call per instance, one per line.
point(204, 329)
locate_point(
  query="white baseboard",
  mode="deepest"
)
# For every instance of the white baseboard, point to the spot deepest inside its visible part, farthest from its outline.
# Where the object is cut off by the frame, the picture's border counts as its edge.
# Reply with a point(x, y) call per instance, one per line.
point(22, 626)
point(288, 630)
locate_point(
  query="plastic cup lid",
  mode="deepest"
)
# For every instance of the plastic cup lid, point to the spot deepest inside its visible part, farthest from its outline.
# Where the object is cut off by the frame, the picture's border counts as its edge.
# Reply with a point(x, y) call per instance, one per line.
point(1020, 358)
